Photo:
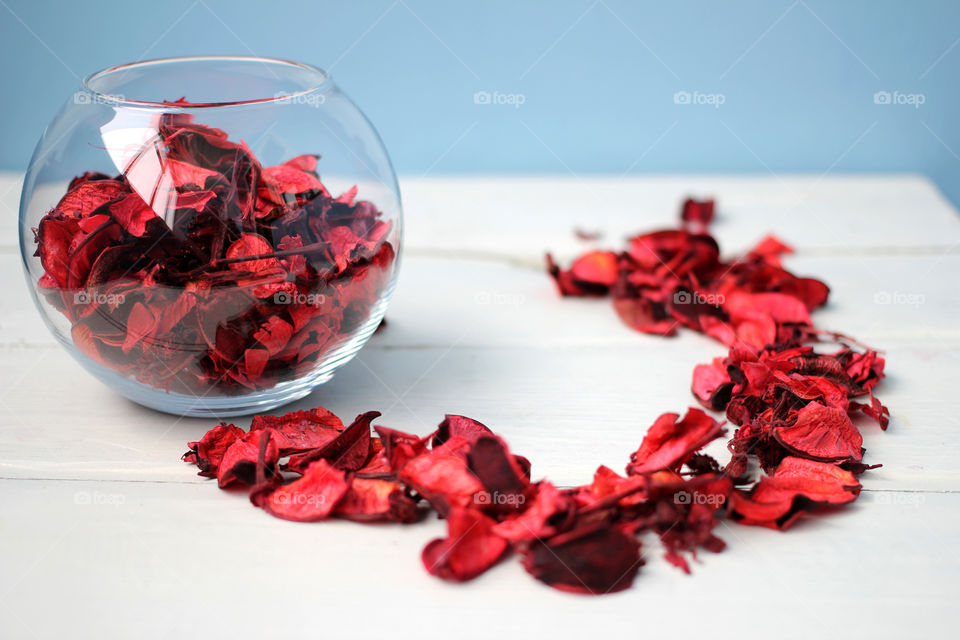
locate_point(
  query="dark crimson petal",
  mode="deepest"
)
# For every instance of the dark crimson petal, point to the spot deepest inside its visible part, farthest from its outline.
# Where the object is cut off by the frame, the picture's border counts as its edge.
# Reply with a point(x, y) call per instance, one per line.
point(594, 561)
point(469, 549)
point(490, 461)
point(453, 425)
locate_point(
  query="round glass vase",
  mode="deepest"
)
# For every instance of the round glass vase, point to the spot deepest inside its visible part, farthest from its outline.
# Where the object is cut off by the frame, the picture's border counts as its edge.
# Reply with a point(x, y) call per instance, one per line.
point(211, 236)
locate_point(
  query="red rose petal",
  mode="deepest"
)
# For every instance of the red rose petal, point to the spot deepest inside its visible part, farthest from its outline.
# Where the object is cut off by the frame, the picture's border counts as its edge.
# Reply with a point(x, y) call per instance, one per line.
point(591, 561)
point(376, 500)
point(300, 430)
point(348, 451)
point(239, 462)
point(797, 485)
point(309, 498)
point(469, 549)
point(133, 214)
point(207, 452)
point(669, 442)
point(822, 433)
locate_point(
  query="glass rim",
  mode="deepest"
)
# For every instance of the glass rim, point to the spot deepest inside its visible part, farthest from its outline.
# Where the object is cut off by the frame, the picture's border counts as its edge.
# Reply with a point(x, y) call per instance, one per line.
point(323, 79)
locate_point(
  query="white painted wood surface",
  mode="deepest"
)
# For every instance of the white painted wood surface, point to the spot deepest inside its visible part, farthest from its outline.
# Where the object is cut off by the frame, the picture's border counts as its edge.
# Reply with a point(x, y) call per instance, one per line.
point(104, 533)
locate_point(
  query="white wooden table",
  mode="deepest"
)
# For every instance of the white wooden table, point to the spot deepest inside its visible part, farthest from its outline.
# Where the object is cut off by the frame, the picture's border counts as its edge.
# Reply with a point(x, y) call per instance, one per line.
point(105, 533)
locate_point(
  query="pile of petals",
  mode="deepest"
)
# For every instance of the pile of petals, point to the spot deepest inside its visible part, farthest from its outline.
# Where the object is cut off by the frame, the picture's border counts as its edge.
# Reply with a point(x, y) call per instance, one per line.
point(199, 270)
point(792, 405)
point(307, 466)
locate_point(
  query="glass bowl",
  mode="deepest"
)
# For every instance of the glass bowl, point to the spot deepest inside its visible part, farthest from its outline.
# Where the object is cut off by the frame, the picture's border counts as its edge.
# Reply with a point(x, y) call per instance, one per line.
point(211, 236)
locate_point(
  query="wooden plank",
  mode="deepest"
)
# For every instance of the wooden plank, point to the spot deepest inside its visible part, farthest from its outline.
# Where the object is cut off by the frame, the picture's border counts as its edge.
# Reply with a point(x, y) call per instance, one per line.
point(126, 559)
point(442, 301)
point(524, 216)
point(567, 409)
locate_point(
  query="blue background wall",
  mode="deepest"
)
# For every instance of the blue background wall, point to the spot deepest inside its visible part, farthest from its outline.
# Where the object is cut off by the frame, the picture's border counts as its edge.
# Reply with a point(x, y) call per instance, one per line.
point(597, 78)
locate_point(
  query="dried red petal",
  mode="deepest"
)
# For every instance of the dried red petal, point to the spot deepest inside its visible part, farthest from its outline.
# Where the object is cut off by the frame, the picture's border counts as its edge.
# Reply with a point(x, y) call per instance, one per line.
point(348, 451)
point(822, 433)
point(593, 561)
point(645, 315)
point(300, 430)
point(311, 497)
point(285, 180)
point(798, 485)
point(376, 500)
point(548, 513)
point(669, 442)
point(207, 452)
point(778, 306)
point(459, 426)
point(251, 245)
point(490, 461)
point(712, 384)
point(595, 267)
point(133, 214)
point(444, 481)
point(239, 462)
point(469, 549)
point(85, 198)
point(699, 212)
